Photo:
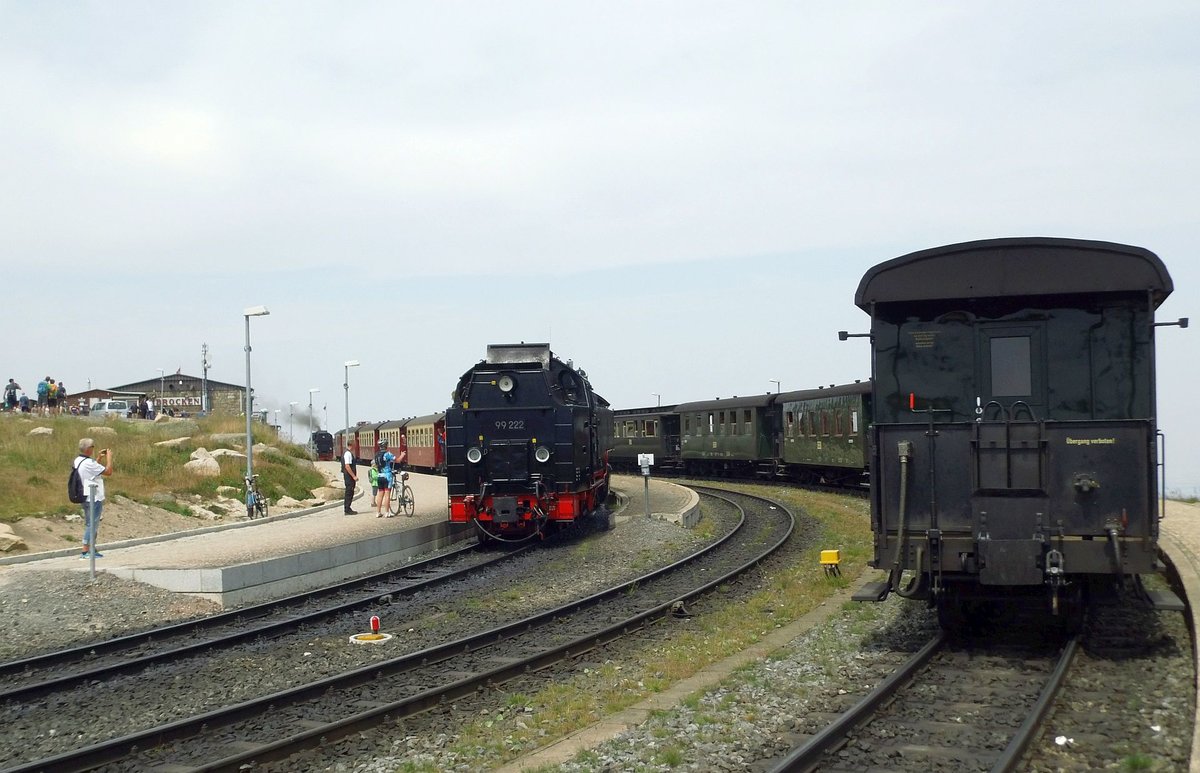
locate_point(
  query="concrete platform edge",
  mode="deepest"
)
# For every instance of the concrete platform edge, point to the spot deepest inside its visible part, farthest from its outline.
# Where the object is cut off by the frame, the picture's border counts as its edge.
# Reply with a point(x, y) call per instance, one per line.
point(128, 543)
point(280, 576)
point(1185, 566)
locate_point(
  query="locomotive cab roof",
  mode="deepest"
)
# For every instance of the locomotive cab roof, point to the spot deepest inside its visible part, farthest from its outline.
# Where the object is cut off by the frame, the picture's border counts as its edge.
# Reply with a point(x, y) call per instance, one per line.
point(1026, 266)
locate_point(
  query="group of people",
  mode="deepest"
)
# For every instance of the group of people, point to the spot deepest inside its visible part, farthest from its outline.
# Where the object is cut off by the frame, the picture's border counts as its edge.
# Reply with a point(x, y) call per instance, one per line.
point(51, 398)
point(381, 475)
point(142, 409)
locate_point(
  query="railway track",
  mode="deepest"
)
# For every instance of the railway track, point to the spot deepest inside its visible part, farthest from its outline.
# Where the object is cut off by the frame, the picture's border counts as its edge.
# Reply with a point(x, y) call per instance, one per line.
point(951, 706)
point(275, 726)
point(29, 678)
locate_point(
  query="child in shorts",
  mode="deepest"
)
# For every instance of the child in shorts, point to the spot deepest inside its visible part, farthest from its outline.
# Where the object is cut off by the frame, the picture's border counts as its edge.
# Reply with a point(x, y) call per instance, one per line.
point(373, 476)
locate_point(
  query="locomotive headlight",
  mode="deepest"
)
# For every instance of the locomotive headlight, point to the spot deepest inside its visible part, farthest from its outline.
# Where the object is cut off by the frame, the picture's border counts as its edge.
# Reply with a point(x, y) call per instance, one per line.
point(474, 455)
point(542, 454)
point(506, 384)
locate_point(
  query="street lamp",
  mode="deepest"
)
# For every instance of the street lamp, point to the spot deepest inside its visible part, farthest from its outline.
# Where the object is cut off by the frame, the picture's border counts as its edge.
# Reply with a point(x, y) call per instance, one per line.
point(657, 397)
point(776, 383)
point(346, 385)
point(253, 311)
point(277, 422)
point(291, 408)
point(162, 380)
point(311, 392)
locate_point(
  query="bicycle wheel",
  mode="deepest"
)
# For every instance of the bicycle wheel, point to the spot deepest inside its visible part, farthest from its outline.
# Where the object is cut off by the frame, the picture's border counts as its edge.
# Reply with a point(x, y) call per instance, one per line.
point(260, 506)
point(394, 499)
point(407, 501)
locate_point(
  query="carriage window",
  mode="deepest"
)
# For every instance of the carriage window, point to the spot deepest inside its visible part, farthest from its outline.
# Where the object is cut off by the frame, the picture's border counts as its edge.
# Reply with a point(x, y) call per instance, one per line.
point(790, 421)
point(747, 419)
point(837, 423)
point(651, 428)
point(711, 424)
point(854, 422)
point(1012, 373)
point(687, 425)
point(721, 421)
point(825, 423)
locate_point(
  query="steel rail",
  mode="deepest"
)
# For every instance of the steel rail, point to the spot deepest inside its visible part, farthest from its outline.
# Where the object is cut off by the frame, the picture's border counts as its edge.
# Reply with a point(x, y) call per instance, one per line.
point(195, 627)
point(807, 756)
point(1017, 746)
point(114, 750)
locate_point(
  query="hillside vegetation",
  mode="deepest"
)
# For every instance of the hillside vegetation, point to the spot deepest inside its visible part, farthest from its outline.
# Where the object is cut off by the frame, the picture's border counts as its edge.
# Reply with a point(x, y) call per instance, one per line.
point(34, 468)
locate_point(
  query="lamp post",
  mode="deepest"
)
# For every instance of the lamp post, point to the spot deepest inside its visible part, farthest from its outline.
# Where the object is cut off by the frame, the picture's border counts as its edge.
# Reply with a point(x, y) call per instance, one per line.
point(776, 383)
point(291, 408)
point(253, 311)
point(162, 386)
point(346, 385)
point(658, 398)
point(311, 392)
point(277, 422)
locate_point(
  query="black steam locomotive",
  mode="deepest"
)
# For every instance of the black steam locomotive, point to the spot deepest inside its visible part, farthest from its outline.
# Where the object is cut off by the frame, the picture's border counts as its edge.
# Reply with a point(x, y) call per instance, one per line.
point(1014, 439)
point(527, 441)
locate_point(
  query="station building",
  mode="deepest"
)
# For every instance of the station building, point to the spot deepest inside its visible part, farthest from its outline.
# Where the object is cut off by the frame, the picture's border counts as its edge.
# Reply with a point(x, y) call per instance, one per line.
point(178, 391)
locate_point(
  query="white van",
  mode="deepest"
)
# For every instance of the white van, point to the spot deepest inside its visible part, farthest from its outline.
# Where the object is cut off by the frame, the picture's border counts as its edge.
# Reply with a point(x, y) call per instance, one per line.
point(106, 408)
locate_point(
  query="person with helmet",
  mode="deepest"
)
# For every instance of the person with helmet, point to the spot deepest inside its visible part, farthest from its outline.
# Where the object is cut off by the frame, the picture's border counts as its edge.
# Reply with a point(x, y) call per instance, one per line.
point(383, 462)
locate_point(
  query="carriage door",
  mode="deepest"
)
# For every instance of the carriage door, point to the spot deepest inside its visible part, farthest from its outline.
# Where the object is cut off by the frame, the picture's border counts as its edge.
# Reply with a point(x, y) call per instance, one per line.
point(1010, 408)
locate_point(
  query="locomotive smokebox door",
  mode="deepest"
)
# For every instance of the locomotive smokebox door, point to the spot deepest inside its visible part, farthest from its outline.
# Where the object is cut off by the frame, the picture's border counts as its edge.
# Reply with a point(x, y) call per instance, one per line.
point(506, 509)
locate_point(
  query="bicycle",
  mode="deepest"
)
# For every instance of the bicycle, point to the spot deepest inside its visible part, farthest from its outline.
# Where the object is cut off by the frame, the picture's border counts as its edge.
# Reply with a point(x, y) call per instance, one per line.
point(400, 496)
point(256, 502)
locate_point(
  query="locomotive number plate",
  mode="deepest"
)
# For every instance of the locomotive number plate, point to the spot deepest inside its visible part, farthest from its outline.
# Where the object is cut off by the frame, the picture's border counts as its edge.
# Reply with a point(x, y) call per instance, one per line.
point(511, 424)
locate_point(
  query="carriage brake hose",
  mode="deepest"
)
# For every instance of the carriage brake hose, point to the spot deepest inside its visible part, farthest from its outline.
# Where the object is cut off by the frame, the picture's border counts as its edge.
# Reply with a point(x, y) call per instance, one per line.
point(914, 585)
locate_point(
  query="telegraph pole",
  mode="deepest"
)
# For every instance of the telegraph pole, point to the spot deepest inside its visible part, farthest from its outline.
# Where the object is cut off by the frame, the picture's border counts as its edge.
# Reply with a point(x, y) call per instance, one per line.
point(204, 363)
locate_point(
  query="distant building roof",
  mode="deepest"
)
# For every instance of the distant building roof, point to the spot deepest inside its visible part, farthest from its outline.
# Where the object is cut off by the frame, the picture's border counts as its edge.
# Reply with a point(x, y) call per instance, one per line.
point(192, 382)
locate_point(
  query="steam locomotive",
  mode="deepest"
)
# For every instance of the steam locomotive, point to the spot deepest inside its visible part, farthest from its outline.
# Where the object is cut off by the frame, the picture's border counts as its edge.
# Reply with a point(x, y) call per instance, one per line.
point(527, 441)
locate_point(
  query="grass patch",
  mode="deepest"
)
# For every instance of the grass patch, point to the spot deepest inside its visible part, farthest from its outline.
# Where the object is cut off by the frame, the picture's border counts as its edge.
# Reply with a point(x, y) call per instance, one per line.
point(34, 468)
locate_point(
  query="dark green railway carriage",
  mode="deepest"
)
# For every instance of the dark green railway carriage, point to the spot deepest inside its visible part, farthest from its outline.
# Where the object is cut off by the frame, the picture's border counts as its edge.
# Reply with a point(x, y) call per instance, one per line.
point(823, 433)
point(726, 437)
point(645, 431)
point(1014, 437)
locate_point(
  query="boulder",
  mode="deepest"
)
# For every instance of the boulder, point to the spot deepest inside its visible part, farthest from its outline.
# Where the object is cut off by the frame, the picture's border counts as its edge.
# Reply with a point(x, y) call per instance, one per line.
point(205, 468)
point(173, 443)
point(101, 431)
point(42, 431)
point(217, 453)
point(288, 502)
point(229, 491)
point(205, 513)
point(201, 453)
point(10, 541)
point(328, 493)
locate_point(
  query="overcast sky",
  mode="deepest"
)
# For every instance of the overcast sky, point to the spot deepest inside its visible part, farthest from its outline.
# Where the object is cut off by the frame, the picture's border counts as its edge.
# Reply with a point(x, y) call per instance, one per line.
point(680, 197)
